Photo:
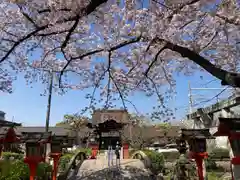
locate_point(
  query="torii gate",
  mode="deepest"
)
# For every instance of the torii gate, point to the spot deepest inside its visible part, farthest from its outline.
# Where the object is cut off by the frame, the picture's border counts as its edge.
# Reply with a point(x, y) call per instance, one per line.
point(209, 118)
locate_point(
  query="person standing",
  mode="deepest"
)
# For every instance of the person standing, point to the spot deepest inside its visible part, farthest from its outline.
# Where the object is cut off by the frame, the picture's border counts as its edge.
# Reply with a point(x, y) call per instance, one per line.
point(110, 161)
point(117, 153)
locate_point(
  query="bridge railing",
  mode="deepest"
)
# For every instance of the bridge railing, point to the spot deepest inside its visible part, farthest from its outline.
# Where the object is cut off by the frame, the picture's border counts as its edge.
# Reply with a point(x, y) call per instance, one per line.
point(73, 166)
point(143, 157)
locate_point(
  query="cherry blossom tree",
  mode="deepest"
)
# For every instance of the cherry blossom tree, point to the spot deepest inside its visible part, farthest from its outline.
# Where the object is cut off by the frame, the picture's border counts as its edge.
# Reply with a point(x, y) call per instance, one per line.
point(119, 46)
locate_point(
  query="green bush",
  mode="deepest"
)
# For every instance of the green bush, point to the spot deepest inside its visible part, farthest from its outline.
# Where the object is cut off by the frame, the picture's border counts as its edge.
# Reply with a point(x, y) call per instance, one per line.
point(43, 171)
point(16, 170)
point(171, 156)
point(210, 164)
point(63, 162)
point(157, 161)
point(16, 156)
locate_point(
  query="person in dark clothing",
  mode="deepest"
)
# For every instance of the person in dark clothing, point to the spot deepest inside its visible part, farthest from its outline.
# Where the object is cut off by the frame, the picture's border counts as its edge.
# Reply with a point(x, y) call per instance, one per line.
point(117, 153)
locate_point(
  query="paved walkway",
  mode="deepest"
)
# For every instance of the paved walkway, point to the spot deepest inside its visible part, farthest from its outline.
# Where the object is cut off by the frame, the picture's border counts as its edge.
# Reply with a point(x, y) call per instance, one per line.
point(130, 169)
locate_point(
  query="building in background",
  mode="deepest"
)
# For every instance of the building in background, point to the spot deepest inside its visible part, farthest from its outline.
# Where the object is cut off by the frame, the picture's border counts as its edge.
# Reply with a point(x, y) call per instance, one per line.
point(2, 115)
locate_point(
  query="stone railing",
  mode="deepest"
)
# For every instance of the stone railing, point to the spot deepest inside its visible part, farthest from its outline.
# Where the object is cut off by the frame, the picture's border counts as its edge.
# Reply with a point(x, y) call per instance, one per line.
point(73, 166)
point(143, 157)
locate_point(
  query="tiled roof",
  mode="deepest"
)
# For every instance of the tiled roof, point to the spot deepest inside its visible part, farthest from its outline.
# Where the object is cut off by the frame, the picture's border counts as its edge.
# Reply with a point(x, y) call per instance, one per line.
point(8, 123)
point(59, 131)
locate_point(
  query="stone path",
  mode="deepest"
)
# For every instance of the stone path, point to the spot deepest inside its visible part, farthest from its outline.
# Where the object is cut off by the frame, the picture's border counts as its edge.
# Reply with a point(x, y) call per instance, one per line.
point(130, 169)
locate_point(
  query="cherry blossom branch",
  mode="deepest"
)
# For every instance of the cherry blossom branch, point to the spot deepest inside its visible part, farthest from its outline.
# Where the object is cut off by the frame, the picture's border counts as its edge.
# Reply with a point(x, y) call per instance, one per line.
point(234, 21)
point(119, 91)
point(91, 7)
point(27, 16)
point(109, 79)
point(227, 78)
point(118, 46)
point(48, 10)
point(177, 10)
point(67, 38)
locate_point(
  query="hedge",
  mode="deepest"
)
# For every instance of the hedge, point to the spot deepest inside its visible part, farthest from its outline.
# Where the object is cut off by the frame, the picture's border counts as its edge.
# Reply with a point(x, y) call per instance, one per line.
point(157, 161)
point(215, 154)
point(16, 170)
point(15, 156)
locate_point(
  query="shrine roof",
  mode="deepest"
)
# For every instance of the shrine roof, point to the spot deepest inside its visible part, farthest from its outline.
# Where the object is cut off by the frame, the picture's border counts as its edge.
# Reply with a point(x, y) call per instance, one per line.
point(4, 123)
point(58, 131)
point(196, 133)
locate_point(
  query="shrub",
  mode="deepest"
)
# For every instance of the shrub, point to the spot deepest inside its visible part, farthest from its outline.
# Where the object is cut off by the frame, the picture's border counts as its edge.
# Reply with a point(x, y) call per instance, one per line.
point(15, 170)
point(63, 162)
point(210, 164)
point(171, 156)
point(157, 161)
point(43, 171)
point(16, 156)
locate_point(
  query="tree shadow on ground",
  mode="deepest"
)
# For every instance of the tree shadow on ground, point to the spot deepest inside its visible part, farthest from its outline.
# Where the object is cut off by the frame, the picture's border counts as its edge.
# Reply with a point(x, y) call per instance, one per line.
point(114, 173)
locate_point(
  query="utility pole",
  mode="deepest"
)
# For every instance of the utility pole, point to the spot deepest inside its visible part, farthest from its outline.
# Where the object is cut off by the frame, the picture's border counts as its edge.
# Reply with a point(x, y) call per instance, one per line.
point(49, 101)
point(190, 98)
point(47, 148)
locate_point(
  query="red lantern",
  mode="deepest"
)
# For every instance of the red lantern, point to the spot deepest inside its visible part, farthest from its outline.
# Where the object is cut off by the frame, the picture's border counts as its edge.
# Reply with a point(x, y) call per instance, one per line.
point(94, 147)
point(8, 138)
point(197, 146)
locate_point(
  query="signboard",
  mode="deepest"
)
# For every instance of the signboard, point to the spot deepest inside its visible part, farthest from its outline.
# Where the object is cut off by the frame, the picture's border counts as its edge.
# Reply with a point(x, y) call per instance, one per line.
point(111, 134)
point(107, 116)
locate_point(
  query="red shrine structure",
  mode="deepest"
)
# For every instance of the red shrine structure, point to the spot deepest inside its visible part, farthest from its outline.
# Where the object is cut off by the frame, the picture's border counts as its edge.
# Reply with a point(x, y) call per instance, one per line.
point(230, 127)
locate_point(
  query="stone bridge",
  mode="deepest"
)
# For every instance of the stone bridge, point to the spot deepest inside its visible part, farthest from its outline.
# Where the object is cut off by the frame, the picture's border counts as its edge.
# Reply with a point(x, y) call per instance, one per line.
point(95, 169)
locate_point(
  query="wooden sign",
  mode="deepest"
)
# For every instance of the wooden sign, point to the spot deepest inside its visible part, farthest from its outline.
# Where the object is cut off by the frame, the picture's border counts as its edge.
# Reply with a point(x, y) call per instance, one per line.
point(110, 134)
point(108, 116)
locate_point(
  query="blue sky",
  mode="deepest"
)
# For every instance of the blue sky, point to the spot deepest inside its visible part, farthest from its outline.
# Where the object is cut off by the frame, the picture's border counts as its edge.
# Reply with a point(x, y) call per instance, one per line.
point(26, 105)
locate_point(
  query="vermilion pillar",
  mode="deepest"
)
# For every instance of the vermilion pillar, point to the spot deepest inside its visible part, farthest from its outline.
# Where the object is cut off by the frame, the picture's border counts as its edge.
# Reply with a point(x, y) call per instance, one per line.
point(235, 161)
point(32, 164)
point(125, 151)
point(56, 157)
point(94, 150)
point(199, 158)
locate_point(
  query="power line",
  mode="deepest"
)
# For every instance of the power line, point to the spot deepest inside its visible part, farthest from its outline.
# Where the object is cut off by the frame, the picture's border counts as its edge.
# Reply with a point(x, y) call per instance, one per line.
point(191, 104)
point(216, 96)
